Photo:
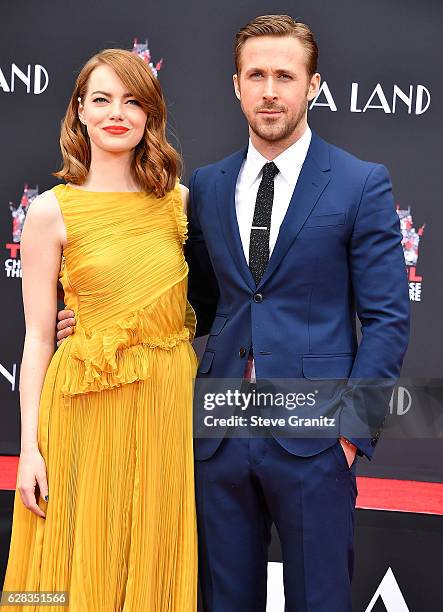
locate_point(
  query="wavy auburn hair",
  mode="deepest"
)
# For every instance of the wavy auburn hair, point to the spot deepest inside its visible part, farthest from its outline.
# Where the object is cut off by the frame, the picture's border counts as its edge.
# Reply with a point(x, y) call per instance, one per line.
point(156, 164)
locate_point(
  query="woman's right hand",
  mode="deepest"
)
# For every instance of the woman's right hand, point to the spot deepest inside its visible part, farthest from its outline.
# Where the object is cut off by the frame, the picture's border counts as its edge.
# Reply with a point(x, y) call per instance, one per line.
point(32, 473)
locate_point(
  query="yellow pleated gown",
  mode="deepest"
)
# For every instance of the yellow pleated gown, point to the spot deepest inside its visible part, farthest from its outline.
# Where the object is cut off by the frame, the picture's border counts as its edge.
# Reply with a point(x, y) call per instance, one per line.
point(115, 418)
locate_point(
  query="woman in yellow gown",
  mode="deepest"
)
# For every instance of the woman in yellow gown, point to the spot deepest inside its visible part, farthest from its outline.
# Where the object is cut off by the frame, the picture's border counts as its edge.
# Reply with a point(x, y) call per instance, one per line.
point(107, 419)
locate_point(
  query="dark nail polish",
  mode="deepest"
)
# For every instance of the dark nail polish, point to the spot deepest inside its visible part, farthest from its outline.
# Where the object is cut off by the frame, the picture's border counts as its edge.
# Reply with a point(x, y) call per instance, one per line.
point(46, 497)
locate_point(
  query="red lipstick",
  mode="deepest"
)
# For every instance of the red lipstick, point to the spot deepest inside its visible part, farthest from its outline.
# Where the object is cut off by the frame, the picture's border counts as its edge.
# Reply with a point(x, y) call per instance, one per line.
point(116, 129)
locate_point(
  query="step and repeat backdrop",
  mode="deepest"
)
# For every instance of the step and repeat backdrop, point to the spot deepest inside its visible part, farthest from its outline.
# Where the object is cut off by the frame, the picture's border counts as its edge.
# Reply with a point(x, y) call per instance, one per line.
point(380, 98)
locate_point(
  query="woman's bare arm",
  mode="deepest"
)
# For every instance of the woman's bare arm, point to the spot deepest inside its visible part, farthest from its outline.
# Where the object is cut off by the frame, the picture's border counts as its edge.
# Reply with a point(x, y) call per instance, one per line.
point(43, 238)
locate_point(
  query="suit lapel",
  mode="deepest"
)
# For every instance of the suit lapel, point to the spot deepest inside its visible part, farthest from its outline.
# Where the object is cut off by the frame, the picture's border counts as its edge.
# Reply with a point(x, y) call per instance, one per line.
point(314, 177)
point(225, 192)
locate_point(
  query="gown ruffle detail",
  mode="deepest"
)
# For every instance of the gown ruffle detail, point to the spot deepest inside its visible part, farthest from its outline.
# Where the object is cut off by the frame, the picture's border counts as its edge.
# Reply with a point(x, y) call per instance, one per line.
point(117, 356)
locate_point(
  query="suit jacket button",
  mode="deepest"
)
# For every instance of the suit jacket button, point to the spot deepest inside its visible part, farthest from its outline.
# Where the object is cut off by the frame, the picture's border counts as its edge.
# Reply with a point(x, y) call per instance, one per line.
point(258, 297)
point(242, 351)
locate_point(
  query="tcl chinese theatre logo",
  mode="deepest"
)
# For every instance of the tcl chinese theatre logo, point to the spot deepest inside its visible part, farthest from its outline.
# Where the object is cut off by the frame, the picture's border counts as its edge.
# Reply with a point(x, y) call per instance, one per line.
point(411, 242)
point(13, 268)
point(142, 50)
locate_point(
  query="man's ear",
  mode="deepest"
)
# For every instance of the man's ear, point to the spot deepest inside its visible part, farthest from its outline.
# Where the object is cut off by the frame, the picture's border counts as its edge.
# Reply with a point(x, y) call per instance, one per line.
point(236, 86)
point(314, 86)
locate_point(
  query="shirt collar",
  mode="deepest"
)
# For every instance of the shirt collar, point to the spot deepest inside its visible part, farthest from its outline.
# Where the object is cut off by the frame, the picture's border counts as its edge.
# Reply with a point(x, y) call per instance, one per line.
point(293, 157)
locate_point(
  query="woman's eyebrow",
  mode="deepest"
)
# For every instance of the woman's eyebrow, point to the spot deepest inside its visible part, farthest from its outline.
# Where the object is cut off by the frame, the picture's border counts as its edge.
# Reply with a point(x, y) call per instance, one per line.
point(104, 93)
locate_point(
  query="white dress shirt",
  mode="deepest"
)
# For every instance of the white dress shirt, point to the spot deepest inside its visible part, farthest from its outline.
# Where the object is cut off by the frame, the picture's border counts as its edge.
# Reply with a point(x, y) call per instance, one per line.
point(289, 164)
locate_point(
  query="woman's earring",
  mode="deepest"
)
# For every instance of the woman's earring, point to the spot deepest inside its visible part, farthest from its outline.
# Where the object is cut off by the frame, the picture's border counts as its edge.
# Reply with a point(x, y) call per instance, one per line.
point(81, 120)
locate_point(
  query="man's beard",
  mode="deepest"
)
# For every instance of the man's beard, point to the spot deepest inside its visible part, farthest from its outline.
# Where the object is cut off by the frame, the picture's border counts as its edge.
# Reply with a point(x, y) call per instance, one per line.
point(278, 132)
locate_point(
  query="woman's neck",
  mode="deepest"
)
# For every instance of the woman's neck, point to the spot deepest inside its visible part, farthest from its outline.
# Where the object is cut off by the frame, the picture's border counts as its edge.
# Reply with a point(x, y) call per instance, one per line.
point(110, 172)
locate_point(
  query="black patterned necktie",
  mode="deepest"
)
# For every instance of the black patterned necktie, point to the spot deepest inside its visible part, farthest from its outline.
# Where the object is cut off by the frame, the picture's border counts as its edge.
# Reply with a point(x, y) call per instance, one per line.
point(261, 224)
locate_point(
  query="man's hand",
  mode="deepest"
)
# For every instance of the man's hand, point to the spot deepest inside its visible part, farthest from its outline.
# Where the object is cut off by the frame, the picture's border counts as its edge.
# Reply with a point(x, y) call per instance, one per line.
point(349, 450)
point(65, 325)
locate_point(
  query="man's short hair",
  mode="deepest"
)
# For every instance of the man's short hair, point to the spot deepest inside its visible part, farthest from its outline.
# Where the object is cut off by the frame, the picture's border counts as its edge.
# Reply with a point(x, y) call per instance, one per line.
point(278, 25)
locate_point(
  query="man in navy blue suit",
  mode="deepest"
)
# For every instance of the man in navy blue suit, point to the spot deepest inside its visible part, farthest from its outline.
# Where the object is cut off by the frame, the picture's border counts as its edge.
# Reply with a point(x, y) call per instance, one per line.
point(290, 239)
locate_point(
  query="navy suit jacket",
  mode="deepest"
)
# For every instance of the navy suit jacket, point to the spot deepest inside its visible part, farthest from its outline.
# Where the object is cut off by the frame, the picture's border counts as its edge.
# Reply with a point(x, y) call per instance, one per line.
point(338, 254)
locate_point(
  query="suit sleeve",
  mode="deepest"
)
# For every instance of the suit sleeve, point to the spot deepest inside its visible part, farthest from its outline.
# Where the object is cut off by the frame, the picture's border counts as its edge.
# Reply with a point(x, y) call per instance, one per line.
point(381, 295)
point(203, 291)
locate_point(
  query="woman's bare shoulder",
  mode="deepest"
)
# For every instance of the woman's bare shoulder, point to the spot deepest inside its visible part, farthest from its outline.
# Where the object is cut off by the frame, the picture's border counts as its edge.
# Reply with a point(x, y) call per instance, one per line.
point(45, 216)
point(44, 207)
point(185, 197)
